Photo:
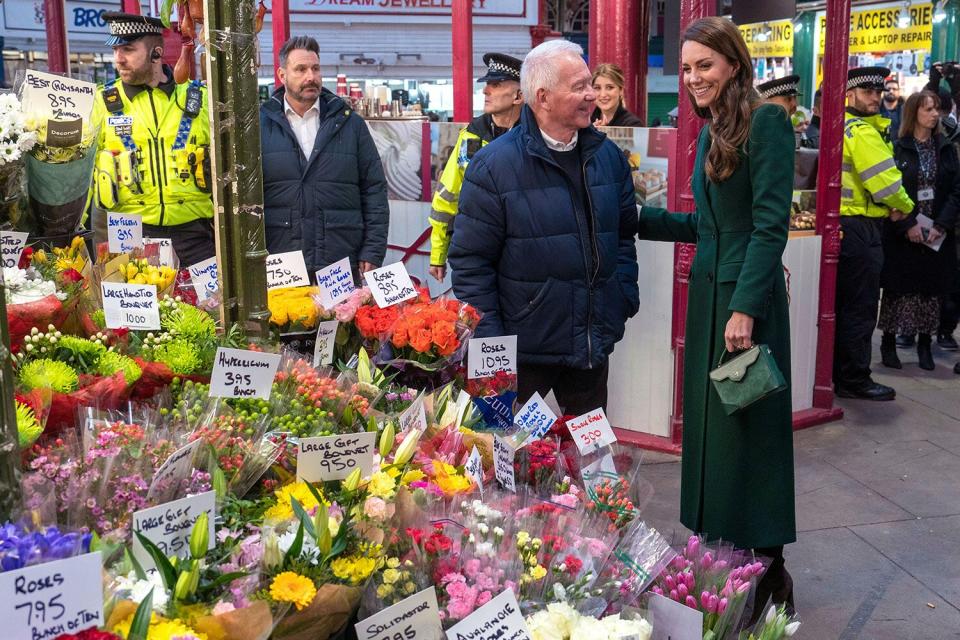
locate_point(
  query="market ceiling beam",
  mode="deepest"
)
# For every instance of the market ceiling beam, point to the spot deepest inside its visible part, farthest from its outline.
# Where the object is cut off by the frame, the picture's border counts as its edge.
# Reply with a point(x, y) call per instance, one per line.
point(231, 64)
point(58, 58)
point(462, 16)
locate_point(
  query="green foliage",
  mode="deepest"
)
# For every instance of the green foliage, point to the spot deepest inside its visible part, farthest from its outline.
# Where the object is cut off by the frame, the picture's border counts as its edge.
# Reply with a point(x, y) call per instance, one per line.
point(182, 356)
point(48, 374)
point(112, 362)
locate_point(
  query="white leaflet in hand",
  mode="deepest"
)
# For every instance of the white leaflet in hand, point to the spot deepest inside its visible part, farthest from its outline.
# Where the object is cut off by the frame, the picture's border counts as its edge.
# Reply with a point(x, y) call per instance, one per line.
point(326, 341)
point(287, 270)
point(51, 599)
point(124, 232)
point(238, 373)
point(335, 457)
point(204, 276)
point(169, 525)
point(591, 431)
point(535, 417)
point(503, 455)
point(499, 619)
point(413, 618)
point(474, 468)
point(672, 620)
point(130, 306)
point(439, 288)
point(335, 283)
point(12, 244)
point(390, 284)
point(486, 356)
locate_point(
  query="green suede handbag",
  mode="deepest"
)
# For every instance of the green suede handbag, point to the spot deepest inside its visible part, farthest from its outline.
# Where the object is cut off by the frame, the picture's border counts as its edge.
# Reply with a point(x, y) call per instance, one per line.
point(748, 378)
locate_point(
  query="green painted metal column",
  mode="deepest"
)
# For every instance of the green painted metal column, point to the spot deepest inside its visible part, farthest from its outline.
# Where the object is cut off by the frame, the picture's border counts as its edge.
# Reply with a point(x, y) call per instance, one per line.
point(803, 27)
point(946, 32)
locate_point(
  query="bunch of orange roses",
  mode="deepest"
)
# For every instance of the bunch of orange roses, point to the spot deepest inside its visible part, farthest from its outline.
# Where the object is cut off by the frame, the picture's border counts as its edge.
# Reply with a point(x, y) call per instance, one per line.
point(428, 331)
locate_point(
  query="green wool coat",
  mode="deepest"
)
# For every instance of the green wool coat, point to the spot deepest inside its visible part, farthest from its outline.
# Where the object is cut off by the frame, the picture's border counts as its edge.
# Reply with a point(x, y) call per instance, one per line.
point(737, 471)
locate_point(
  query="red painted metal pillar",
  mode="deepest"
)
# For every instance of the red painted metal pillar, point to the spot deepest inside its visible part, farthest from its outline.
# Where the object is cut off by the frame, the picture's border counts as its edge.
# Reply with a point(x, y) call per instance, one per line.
point(681, 199)
point(599, 29)
point(541, 31)
point(58, 59)
point(641, 47)
point(280, 21)
point(130, 6)
point(462, 60)
point(619, 33)
point(828, 193)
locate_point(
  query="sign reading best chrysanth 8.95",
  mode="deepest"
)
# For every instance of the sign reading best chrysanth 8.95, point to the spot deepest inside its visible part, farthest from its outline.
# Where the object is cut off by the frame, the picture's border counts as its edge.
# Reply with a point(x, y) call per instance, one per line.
point(878, 30)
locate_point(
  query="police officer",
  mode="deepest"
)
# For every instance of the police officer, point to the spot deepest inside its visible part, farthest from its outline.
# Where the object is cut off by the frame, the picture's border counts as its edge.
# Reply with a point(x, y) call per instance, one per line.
point(502, 101)
point(782, 91)
point(872, 190)
point(153, 157)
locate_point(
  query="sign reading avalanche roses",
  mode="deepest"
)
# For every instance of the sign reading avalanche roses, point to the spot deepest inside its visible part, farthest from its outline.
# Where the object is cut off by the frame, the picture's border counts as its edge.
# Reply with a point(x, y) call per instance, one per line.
point(499, 619)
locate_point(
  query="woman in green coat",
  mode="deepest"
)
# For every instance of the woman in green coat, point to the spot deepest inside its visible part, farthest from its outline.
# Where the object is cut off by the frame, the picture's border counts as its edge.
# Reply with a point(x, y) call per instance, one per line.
point(737, 471)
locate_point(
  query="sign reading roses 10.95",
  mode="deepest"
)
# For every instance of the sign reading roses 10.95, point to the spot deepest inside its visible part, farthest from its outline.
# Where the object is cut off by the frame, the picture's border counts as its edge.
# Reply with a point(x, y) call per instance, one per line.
point(52, 599)
point(487, 356)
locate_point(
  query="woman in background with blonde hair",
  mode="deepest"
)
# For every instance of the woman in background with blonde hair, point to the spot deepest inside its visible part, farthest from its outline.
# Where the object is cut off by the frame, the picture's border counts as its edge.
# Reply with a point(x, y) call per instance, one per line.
point(608, 83)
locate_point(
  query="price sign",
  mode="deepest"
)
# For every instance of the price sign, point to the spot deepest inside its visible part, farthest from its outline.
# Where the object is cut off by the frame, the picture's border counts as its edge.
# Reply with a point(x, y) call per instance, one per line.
point(124, 232)
point(390, 284)
point(204, 276)
point(326, 341)
point(238, 373)
point(415, 417)
point(130, 306)
point(46, 94)
point(487, 356)
point(535, 417)
point(168, 477)
point(164, 250)
point(673, 620)
point(51, 599)
point(474, 468)
point(11, 246)
point(169, 525)
point(503, 455)
point(335, 457)
point(287, 270)
point(499, 619)
point(591, 431)
point(413, 618)
point(335, 283)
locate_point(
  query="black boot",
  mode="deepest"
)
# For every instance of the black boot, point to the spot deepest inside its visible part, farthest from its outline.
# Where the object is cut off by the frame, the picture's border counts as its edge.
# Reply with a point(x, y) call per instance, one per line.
point(775, 585)
point(924, 353)
point(888, 351)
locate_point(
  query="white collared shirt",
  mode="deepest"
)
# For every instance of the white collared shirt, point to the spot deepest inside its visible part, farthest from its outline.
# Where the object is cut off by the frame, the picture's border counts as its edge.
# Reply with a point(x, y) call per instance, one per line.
point(556, 145)
point(305, 127)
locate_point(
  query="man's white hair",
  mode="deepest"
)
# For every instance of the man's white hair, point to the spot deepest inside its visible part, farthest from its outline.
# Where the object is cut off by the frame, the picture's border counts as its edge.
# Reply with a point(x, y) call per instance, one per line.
point(539, 69)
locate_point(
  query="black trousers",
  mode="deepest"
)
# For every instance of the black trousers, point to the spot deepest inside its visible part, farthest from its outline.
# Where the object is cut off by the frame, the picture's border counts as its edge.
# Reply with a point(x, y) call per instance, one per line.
point(858, 295)
point(578, 391)
point(192, 241)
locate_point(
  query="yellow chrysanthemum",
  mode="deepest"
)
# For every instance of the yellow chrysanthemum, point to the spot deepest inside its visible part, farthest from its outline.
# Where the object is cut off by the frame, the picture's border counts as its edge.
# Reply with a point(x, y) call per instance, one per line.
point(381, 485)
point(384, 591)
point(160, 629)
point(448, 480)
point(292, 304)
point(412, 476)
point(293, 587)
point(354, 569)
point(283, 509)
point(538, 572)
point(390, 576)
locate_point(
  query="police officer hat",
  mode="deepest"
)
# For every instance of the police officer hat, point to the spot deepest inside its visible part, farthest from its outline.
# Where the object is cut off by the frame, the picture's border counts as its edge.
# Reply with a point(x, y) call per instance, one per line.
point(501, 67)
point(786, 86)
point(867, 78)
point(129, 27)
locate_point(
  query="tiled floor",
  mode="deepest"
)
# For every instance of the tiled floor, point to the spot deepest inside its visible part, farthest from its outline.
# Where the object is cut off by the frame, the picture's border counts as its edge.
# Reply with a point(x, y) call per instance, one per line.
point(878, 512)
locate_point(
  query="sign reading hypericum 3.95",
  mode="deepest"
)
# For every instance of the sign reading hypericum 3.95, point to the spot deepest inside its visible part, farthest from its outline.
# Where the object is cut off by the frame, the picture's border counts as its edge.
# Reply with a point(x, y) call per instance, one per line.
point(892, 28)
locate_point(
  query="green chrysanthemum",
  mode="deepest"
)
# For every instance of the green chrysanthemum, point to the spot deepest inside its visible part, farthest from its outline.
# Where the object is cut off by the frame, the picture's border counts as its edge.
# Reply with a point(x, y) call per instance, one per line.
point(48, 374)
point(28, 427)
point(111, 362)
point(79, 352)
point(99, 319)
point(189, 322)
point(181, 356)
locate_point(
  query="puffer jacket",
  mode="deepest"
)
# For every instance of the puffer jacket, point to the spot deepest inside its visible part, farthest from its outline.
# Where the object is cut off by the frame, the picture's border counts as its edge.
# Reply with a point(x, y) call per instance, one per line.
point(331, 205)
point(526, 255)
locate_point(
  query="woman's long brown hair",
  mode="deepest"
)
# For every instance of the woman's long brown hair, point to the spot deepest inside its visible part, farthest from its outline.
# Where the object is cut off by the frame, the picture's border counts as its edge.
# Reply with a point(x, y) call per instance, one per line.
point(735, 104)
point(910, 108)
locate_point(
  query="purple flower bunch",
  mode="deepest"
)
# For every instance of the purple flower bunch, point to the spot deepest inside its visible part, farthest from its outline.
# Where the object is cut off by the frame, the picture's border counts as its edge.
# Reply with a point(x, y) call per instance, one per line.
point(21, 546)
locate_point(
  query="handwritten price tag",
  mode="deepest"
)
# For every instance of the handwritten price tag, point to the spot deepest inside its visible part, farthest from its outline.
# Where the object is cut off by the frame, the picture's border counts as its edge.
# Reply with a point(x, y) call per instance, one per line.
point(591, 431)
point(164, 250)
point(335, 283)
point(168, 477)
point(415, 417)
point(326, 341)
point(499, 619)
point(51, 599)
point(474, 468)
point(335, 457)
point(238, 373)
point(53, 96)
point(390, 284)
point(503, 455)
point(413, 618)
point(11, 246)
point(287, 270)
point(673, 620)
point(130, 306)
point(124, 232)
point(168, 526)
point(487, 356)
point(535, 417)
point(205, 278)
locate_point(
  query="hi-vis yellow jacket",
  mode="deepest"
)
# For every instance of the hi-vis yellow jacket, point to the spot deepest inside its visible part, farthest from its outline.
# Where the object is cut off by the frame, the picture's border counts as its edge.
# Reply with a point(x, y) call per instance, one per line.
point(156, 152)
point(872, 184)
point(475, 135)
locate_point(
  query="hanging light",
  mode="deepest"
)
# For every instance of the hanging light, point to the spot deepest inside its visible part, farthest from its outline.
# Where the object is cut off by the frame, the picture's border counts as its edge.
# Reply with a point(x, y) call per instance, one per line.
point(939, 14)
point(904, 20)
point(797, 23)
point(765, 33)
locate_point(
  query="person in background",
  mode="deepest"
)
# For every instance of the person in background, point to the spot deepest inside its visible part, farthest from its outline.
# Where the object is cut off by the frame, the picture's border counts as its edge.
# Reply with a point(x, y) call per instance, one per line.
point(502, 100)
point(812, 134)
point(872, 190)
point(915, 275)
point(608, 82)
point(892, 106)
point(948, 72)
point(157, 132)
point(782, 91)
point(544, 245)
point(737, 480)
point(324, 191)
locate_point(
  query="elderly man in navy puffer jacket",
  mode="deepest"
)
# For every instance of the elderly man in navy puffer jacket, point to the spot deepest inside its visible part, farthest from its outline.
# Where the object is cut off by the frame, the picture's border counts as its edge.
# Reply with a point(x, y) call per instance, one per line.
point(544, 239)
